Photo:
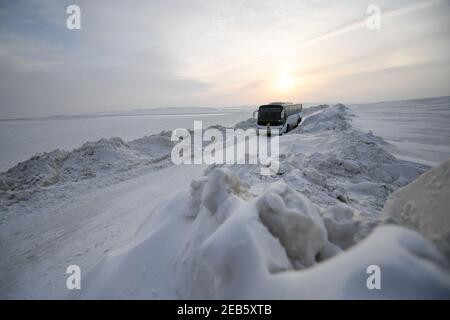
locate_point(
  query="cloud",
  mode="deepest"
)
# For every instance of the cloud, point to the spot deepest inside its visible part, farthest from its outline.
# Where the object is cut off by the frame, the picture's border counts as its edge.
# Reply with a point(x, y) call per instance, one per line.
point(152, 53)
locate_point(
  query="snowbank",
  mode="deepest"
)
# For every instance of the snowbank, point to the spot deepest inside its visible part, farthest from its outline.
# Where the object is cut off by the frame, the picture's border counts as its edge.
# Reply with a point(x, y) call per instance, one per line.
point(246, 124)
point(332, 163)
point(333, 119)
point(91, 159)
point(236, 245)
point(47, 177)
point(424, 205)
point(102, 162)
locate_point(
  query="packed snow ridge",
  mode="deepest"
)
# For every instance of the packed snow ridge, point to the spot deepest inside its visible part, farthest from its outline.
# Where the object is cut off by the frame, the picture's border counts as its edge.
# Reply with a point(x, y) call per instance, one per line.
point(334, 163)
point(99, 162)
point(311, 231)
point(48, 177)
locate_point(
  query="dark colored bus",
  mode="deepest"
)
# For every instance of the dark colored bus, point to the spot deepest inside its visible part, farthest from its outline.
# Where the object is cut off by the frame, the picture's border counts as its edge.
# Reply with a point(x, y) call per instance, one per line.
point(279, 117)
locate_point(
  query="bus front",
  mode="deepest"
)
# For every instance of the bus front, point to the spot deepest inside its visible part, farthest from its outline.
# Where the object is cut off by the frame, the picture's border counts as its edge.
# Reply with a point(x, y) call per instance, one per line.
point(270, 119)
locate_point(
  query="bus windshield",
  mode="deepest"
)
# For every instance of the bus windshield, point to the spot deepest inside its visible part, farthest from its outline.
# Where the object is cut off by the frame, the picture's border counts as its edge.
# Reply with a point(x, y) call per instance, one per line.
point(270, 115)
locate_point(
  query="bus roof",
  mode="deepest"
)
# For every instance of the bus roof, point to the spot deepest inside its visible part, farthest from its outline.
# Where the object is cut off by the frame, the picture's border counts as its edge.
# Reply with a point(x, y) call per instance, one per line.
point(280, 103)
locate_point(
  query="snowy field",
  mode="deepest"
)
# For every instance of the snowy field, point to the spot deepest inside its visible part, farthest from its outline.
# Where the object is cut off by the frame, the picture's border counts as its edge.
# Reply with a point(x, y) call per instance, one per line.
point(22, 138)
point(419, 129)
point(140, 227)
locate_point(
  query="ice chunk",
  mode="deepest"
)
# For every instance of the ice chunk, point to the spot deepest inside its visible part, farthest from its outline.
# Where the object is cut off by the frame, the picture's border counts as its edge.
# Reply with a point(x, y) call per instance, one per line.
point(221, 183)
point(295, 221)
point(340, 226)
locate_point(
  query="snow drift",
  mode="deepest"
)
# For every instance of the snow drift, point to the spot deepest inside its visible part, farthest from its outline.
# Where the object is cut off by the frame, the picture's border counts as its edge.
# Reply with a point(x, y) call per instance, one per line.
point(101, 162)
point(331, 163)
point(94, 164)
point(258, 247)
point(424, 205)
point(309, 232)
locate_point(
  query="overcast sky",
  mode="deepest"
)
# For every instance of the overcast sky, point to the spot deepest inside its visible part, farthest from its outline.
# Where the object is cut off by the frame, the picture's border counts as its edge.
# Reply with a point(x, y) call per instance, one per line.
point(141, 54)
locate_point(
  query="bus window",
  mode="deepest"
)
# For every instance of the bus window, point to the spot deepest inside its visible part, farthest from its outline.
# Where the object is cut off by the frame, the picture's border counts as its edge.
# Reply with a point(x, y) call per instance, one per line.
point(270, 114)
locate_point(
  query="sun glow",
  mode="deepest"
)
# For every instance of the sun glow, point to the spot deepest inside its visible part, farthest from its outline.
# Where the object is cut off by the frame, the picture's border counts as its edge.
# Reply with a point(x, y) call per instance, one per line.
point(285, 82)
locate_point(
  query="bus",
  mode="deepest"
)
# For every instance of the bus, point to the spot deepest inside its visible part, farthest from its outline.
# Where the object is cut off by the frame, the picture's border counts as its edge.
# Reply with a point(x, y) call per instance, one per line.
point(281, 116)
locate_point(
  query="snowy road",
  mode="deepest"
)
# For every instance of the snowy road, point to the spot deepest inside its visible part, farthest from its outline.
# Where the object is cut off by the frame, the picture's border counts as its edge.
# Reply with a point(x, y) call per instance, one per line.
point(83, 233)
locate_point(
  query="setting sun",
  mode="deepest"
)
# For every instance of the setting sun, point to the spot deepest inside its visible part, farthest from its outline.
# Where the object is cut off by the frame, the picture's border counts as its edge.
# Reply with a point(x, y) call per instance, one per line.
point(285, 82)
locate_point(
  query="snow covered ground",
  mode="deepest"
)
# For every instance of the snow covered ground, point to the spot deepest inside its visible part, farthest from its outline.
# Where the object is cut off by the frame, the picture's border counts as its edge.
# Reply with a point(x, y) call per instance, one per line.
point(419, 129)
point(22, 138)
point(140, 227)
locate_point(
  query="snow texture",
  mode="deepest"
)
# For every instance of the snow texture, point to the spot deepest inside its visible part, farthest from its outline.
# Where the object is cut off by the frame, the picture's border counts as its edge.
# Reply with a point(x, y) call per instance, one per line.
point(249, 247)
point(424, 205)
point(310, 231)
